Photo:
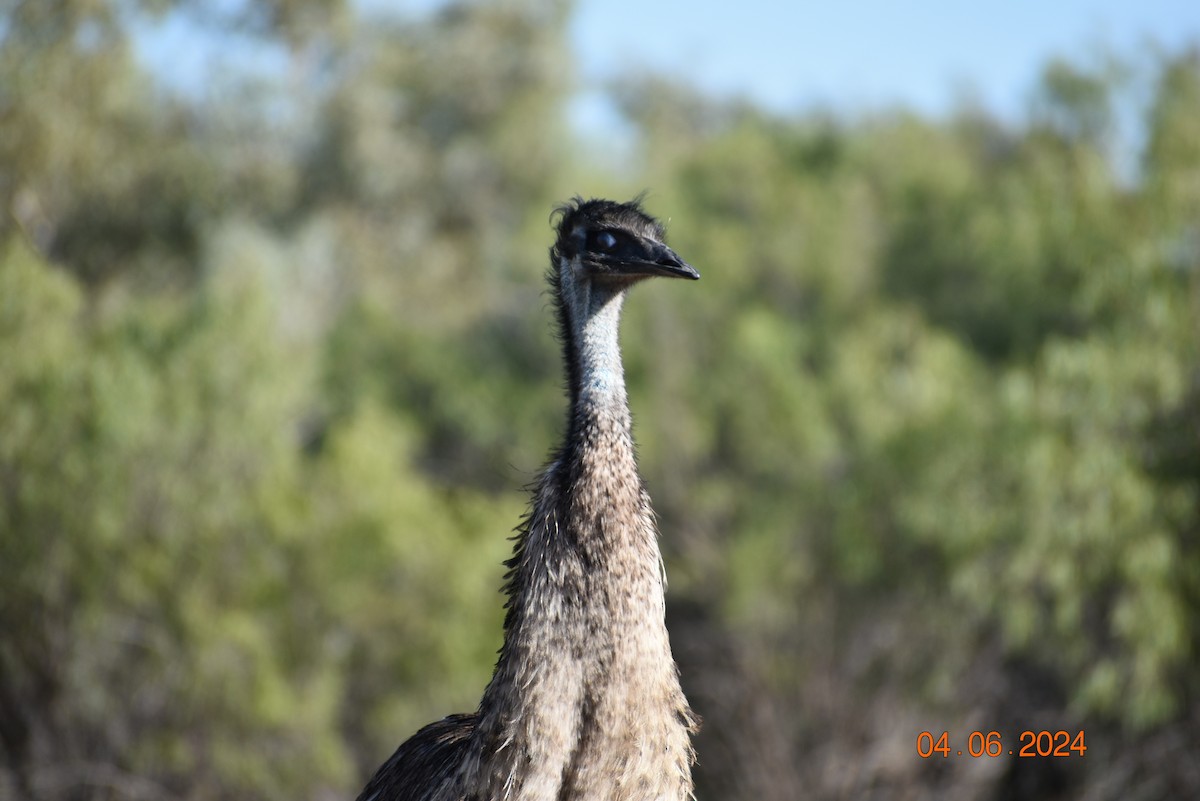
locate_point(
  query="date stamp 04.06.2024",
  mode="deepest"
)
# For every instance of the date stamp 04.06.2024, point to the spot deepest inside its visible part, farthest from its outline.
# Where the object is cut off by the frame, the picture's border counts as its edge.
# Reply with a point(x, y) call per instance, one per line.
point(991, 744)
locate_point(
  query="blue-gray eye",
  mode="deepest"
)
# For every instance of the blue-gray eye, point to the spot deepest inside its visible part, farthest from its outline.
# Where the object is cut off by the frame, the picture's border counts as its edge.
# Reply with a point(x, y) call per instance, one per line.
point(605, 240)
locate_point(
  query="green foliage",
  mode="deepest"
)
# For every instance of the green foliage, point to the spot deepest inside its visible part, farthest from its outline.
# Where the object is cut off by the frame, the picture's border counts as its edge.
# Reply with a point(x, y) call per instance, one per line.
point(274, 363)
point(205, 576)
point(945, 378)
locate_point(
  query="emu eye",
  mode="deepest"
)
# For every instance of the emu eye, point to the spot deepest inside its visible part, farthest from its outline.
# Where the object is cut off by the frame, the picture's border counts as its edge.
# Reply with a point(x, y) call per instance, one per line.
point(605, 240)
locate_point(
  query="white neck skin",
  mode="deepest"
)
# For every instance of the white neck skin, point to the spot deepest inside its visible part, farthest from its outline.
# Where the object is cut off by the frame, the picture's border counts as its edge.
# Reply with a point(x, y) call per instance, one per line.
point(595, 315)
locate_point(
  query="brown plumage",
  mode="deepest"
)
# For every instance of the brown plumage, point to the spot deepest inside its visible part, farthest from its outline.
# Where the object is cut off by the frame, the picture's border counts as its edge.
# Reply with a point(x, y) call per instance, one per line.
point(585, 703)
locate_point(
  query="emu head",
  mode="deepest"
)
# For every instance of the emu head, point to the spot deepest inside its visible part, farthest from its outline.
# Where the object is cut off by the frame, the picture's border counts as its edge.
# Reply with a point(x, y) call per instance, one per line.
point(613, 244)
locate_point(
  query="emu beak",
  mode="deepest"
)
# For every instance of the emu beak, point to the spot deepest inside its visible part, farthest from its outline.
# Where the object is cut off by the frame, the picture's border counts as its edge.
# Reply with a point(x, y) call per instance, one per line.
point(659, 260)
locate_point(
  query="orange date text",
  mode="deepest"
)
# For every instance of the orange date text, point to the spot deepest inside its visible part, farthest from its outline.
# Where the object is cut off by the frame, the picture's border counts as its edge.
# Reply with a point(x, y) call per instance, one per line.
point(991, 744)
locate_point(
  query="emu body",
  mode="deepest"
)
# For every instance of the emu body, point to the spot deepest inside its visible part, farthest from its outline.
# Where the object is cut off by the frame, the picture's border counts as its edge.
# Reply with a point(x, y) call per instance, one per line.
point(585, 702)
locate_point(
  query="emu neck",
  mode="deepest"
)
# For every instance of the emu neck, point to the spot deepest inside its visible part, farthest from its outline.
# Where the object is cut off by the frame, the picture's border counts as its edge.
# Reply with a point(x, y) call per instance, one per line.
point(595, 337)
point(585, 701)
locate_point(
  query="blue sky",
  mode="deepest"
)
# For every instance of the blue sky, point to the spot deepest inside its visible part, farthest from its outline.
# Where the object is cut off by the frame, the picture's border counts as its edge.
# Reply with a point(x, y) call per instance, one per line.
point(794, 55)
point(870, 53)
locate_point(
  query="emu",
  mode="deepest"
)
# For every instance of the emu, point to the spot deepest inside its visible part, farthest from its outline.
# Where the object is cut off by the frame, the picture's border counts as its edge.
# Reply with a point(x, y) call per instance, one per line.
point(585, 702)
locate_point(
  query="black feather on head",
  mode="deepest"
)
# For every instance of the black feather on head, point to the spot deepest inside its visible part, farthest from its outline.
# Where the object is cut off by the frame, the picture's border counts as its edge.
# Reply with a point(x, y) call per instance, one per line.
point(578, 216)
